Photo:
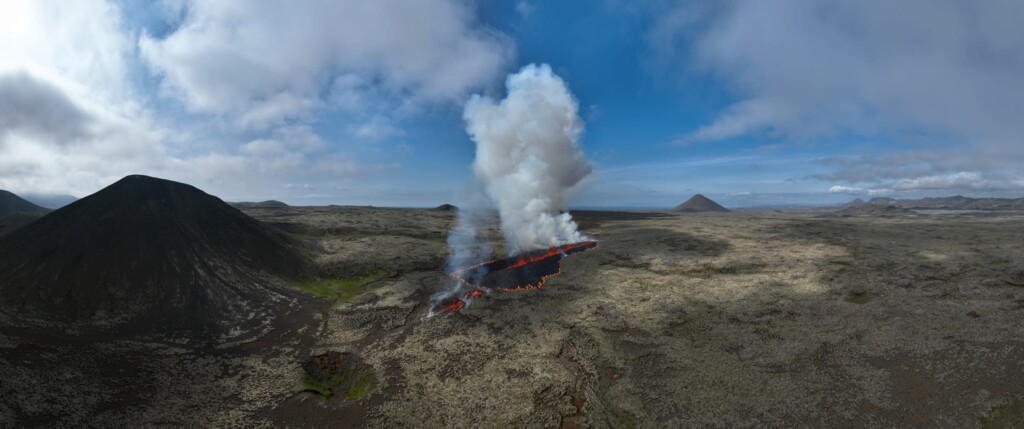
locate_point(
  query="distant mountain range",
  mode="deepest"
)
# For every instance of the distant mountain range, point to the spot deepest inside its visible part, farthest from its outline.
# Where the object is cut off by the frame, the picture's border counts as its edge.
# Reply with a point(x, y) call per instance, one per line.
point(50, 201)
point(13, 204)
point(957, 202)
point(699, 204)
point(16, 212)
point(260, 204)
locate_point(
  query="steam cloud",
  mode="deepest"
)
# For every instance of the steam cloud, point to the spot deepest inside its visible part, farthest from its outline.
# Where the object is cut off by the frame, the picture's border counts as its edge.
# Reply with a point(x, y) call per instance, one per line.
point(528, 157)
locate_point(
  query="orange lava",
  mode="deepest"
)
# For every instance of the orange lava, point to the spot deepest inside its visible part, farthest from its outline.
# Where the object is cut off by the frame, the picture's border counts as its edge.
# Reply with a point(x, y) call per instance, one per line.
point(502, 266)
point(476, 293)
point(449, 307)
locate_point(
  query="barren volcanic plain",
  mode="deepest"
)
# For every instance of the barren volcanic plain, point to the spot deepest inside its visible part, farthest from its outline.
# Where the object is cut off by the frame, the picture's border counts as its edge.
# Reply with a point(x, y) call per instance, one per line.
point(743, 319)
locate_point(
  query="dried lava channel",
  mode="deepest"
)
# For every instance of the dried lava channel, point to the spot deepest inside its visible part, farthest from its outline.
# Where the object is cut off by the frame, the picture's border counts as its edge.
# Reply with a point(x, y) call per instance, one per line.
point(521, 272)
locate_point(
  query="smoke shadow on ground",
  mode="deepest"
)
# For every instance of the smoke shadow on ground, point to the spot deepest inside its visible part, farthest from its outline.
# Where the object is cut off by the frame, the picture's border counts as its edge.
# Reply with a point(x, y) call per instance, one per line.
point(643, 247)
point(936, 257)
point(591, 219)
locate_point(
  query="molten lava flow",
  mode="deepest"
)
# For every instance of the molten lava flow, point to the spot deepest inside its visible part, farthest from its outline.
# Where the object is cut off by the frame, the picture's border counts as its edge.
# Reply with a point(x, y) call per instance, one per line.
point(448, 306)
point(522, 272)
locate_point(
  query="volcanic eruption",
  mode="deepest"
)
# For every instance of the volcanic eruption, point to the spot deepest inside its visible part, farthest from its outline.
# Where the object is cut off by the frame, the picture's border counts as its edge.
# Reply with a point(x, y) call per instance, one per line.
point(527, 159)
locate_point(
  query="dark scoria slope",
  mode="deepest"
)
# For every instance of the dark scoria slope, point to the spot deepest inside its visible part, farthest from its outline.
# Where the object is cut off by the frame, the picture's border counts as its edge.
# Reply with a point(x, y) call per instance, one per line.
point(150, 256)
point(13, 204)
point(12, 222)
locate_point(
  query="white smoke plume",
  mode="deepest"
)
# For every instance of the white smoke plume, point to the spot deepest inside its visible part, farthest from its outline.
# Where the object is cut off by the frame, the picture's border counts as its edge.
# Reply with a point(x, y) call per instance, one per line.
point(528, 156)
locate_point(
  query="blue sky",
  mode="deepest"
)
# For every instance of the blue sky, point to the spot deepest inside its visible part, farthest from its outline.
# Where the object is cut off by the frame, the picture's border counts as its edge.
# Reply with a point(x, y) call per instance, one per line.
point(313, 102)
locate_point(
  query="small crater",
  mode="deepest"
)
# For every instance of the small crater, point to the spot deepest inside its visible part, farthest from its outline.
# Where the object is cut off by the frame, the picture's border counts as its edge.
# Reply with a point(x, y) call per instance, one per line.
point(339, 374)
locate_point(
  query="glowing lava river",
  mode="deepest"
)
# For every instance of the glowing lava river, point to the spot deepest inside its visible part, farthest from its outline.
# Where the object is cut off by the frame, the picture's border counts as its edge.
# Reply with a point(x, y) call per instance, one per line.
point(522, 272)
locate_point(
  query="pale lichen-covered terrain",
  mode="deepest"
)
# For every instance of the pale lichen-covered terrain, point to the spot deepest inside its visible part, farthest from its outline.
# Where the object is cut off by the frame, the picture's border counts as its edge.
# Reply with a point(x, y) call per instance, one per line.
point(749, 319)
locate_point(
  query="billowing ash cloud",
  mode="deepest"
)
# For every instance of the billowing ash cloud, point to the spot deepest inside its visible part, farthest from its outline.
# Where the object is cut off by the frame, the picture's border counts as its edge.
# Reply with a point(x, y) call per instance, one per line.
point(528, 157)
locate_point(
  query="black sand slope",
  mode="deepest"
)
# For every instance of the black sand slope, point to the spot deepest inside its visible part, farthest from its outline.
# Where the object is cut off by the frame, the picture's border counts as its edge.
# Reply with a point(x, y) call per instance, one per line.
point(699, 204)
point(148, 255)
point(14, 221)
point(13, 204)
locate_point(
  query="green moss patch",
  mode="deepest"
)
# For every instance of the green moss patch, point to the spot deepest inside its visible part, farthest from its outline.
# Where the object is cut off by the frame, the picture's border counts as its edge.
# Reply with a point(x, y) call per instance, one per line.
point(861, 297)
point(339, 374)
point(624, 419)
point(342, 289)
point(1008, 414)
point(316, 385)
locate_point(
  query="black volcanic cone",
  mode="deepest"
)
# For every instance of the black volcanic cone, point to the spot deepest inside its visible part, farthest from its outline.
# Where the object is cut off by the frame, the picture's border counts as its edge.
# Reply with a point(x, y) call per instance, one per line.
point(526, 271)
point(699, 204)
point(150, 255)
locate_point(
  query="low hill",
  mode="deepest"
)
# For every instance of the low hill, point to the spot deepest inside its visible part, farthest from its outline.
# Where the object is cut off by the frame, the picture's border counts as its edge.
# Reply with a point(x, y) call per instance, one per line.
point(446, 208)
point(147, 255)
point(855, 203)
point(261, 204)
point(698, 204)
point(12, 204)
point(958, 202)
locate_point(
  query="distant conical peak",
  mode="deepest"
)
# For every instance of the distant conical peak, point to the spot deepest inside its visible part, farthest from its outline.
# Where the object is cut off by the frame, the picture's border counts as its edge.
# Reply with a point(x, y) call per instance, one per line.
point(700, 203)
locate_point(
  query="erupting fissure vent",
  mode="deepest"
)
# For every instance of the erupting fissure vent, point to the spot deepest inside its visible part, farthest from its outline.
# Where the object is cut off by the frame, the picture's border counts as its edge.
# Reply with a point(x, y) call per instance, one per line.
point(523, 272)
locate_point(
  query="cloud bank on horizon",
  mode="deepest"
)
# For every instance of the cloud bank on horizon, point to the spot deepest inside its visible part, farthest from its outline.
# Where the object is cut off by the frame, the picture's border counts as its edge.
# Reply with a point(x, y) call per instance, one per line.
point(360, 102)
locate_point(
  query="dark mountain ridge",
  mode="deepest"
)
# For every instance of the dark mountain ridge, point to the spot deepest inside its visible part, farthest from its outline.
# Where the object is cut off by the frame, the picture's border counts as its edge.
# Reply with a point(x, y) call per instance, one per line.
point(13, 204)
point(260, 204)
point(956, 202)
point(151, 256)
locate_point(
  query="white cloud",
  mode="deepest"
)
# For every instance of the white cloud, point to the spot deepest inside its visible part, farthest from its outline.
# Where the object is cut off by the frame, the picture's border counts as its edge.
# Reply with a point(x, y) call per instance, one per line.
point(940, 81)
point(964, 180)
point(961, 182)
point(377, 128)
point(837, 189)
point(850, 190)
point(40, 109)
point(273, 61)
point(72, 119)
point(807, 69)
point(524, 9)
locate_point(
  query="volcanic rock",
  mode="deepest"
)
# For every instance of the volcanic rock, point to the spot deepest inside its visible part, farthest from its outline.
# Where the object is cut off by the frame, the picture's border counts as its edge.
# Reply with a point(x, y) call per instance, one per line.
point(14, 221)
point(147, 255)
point(261, 204)
point(11, 204)
point(699, 203)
